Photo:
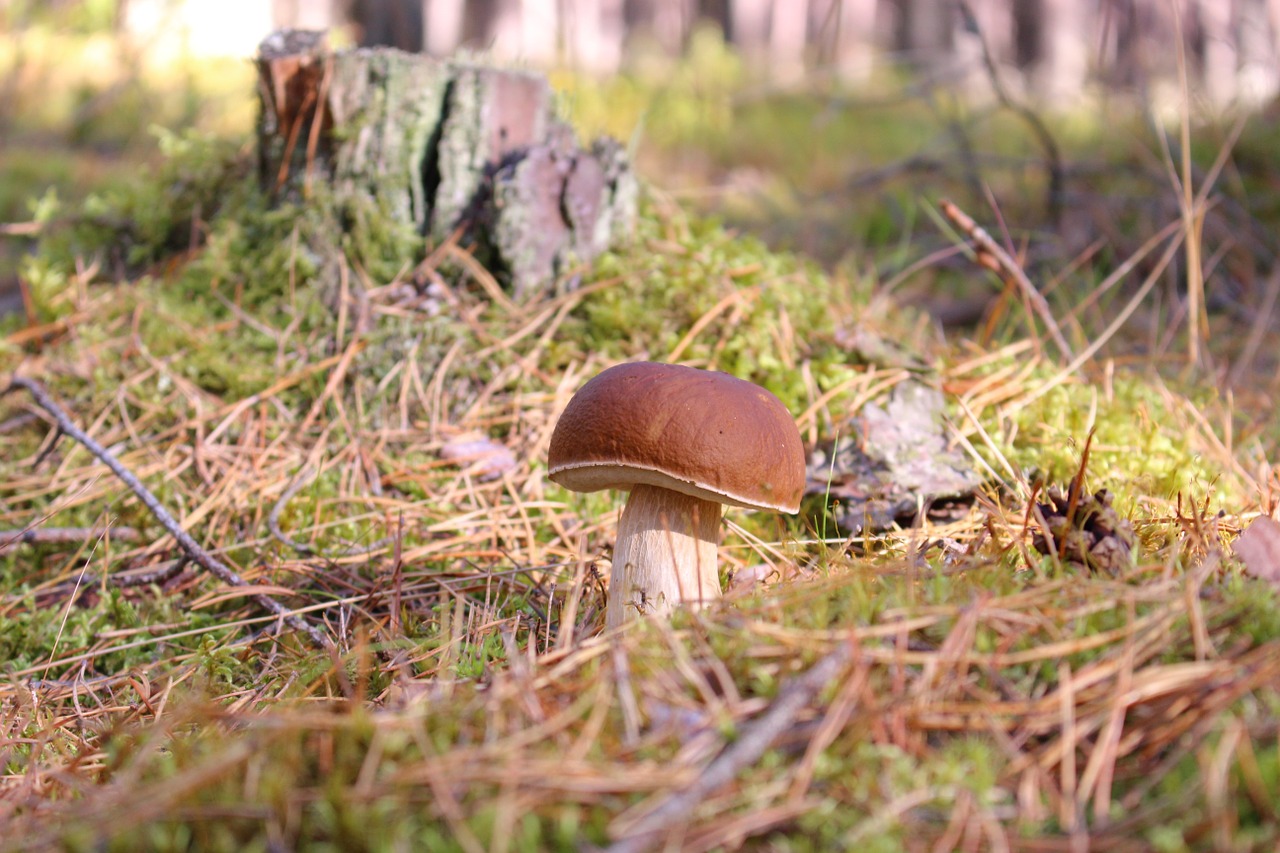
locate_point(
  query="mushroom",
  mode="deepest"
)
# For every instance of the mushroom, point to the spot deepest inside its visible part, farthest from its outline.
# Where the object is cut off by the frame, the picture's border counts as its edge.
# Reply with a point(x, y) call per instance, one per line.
point(683, 441)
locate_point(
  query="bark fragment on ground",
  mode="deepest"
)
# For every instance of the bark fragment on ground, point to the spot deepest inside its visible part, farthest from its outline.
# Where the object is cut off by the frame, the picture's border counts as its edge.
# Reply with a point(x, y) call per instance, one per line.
point(890, 462)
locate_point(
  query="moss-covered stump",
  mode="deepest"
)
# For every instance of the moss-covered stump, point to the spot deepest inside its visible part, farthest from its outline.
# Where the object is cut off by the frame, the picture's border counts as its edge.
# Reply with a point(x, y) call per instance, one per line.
point(438, 149)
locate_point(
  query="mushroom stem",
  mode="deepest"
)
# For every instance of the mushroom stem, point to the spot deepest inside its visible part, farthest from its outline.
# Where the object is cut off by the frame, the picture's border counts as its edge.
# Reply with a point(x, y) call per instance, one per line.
point(665, 555)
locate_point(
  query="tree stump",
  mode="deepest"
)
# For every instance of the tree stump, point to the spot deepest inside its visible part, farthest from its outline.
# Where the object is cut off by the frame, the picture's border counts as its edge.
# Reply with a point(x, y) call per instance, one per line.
point(441, 148)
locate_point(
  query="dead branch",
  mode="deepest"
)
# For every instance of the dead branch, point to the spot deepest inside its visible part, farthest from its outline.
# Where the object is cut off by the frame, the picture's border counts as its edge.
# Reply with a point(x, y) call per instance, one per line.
point(992, 256)
point(160, 573)
point(1053, 157)
point(189, 545)
point(11, 539)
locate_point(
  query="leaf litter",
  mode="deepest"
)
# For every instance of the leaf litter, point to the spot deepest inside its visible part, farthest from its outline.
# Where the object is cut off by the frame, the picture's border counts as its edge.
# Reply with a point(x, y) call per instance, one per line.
point(897, 692)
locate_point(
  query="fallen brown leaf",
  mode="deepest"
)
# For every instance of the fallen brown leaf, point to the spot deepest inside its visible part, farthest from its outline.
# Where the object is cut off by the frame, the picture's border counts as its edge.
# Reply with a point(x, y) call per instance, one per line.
point(1259, 549)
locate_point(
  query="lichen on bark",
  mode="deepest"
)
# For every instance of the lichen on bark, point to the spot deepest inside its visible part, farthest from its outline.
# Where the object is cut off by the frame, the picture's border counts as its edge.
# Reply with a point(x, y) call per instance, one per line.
point(438, 149)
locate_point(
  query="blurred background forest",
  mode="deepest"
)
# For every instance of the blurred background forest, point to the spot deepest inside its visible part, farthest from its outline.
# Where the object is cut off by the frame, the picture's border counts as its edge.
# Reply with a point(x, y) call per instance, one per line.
point(1121, 153)
point(1055, 48)
point(830, 127)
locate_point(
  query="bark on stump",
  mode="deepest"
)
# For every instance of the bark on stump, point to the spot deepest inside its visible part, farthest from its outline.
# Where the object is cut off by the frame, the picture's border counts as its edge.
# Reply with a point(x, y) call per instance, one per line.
point(438, 147)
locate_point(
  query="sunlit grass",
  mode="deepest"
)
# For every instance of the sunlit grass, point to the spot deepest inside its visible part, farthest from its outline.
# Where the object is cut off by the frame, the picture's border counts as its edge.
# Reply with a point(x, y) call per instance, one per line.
point(990, 695)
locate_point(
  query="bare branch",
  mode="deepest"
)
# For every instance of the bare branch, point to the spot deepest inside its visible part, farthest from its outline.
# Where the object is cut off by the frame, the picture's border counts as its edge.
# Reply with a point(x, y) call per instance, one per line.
point(189, 545)
point(10, 539)
point(991, 255)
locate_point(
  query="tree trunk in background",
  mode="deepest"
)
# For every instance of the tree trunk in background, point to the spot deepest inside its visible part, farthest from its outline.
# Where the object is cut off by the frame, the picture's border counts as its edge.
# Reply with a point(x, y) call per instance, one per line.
point(1060, 68)
point(788, 35)
point(539, 32)
point(988, 26)
point(998, 21)
point(715, 12)
point(505, 30)
point(477, 23)
point(1259, 61)
point(749, 27)
point(664, 24)
point(443, 26)
point(1120, 54)
point(1273, 31)
point(415, 146)
point(1233, 45)
point(304, 14)
point(388, 23)
point(926, 32)
point(846, 35)
point(1028, 33)
point(594, 32)
point(1219, 57)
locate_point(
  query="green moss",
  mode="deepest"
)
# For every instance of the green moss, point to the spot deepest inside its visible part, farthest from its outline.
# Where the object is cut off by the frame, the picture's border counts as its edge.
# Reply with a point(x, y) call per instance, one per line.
point(264, 746)
point(693, 289)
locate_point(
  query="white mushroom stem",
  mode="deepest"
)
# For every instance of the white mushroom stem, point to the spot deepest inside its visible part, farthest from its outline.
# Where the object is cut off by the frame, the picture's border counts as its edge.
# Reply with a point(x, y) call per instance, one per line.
point(666, 554)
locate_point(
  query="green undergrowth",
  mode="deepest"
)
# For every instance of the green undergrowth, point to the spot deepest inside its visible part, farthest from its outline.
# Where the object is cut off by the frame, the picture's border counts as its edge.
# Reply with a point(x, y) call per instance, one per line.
point(346, 772)
point(1144, 444)
point(244, 309)
point(469, 699)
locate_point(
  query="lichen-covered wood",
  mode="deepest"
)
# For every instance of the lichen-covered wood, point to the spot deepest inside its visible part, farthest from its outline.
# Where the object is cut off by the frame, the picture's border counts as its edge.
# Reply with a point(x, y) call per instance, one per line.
point(385, 106)
point(559, 205)
point(439, 147)
point(491, 117)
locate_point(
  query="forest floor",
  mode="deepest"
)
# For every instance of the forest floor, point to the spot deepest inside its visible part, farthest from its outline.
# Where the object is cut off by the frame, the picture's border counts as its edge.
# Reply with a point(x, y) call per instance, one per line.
point(1075, 655)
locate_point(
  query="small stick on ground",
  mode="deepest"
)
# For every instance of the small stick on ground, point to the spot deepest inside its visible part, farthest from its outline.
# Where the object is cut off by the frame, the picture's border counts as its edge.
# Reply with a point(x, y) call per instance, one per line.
point(158, 574)
point(189, 545)
point(10, 539)
point(993, 257)
point(304, 477)
point(756, 737)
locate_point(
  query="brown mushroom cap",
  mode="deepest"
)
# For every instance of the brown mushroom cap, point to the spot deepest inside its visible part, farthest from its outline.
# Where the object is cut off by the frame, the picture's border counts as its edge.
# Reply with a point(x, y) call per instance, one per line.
point(708, 435)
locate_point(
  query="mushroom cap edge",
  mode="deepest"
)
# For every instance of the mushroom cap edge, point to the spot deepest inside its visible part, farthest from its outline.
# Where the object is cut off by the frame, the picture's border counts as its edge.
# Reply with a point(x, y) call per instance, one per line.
point(703, 433)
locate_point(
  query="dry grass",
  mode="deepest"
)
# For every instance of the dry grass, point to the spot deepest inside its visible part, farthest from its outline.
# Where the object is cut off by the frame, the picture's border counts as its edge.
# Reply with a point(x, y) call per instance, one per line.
point(940, 687)
point(948, 689)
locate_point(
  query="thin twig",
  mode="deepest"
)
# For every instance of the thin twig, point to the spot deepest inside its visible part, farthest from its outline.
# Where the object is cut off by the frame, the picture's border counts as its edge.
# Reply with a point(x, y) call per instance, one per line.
point(10, 539)
point(189, 545)
point(993, 256)
point(1053, 157)
point(158, 574)
point(303, 477)
point(756, 737)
